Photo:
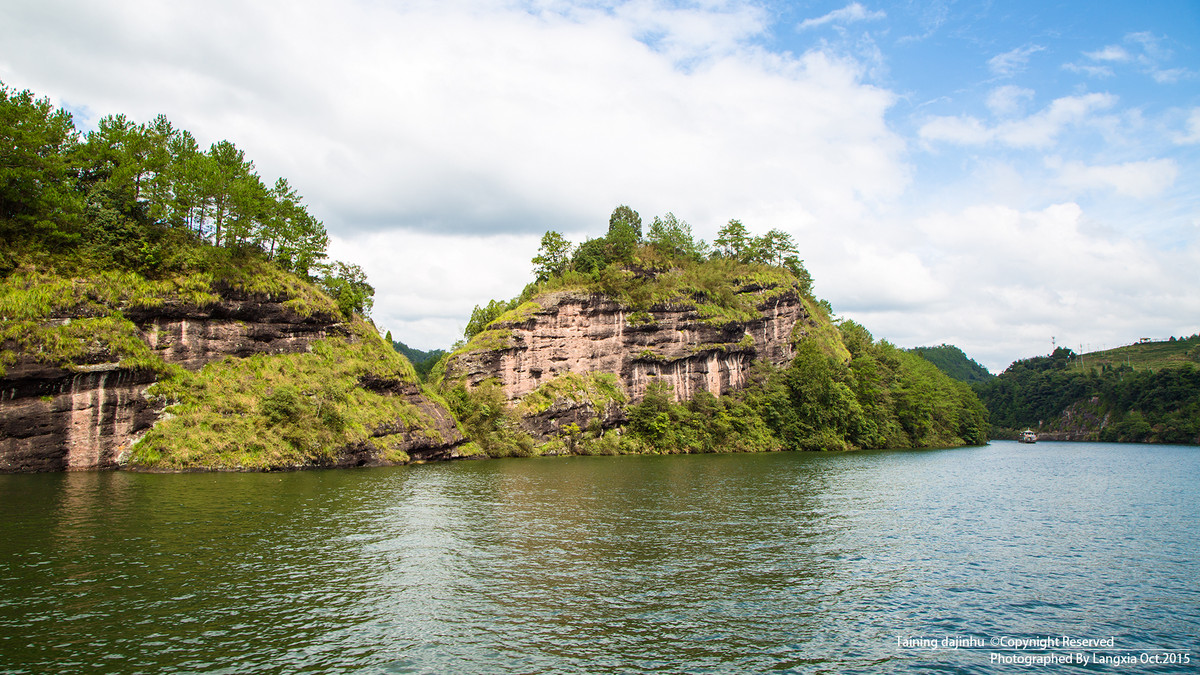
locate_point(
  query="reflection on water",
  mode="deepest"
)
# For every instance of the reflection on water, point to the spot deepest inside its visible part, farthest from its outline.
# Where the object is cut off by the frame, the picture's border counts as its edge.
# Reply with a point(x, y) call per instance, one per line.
point(723, 563)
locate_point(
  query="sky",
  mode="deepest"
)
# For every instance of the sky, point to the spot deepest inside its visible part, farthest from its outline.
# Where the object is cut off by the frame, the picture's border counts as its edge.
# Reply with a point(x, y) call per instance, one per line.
point(1000, 176)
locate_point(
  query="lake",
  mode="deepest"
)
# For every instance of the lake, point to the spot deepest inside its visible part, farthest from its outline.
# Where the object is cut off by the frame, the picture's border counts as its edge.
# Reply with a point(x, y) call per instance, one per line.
point(788, 562)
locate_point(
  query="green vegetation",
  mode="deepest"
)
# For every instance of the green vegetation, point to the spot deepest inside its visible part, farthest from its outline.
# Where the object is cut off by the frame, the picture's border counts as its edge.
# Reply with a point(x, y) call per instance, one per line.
point(1144, 355)
point(146, 200)
point(1090, 396)
point(287, 410)
point(882, 397)
point(841, 391)
point(130, 217)
point(597, 390)
point(703, 424)
point(486, 418)
point(422, 361)
point(135, 217)
point(952, 361)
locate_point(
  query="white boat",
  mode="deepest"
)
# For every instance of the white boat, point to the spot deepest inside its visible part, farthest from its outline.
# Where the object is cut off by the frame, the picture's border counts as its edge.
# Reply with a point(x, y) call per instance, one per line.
point(1028, 436)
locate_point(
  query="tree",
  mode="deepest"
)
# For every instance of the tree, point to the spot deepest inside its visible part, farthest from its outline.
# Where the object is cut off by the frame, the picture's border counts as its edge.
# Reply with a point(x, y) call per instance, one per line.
point(290, 235)
point(347, 285)
point(178, 191)
point(625, 216)
point(624, 234)
point(673, 237)
point(37, 175)
point(590, 256)
point(481, 316)
point(622, 242)
point(796, 266)
point(733, 241)
point(552, 257)
point(775, 247)
point(225, 190)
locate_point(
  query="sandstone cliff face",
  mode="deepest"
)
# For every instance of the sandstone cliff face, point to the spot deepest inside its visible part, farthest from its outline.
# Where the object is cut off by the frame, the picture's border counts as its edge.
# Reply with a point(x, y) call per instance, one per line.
point(582, 333)
point(52, 419)
point(239, 327)
point(85, 416)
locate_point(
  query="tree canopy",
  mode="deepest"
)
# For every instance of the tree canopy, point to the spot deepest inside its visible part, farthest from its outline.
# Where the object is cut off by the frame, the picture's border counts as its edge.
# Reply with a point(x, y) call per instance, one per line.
point(1116, 403)
point(145, 197)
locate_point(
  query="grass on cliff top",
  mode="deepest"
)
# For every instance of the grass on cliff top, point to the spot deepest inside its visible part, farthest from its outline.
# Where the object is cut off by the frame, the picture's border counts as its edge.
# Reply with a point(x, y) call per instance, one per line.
point(721, 290)
point(286, 410)
point(1146, 355)
point(66, 320)
point(595, 389)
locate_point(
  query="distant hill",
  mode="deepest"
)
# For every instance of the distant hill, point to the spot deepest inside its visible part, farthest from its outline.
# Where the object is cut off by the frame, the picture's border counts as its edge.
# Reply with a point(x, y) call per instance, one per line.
point(422, 361)
point(952, 361)
point(1146, 392)
point(1145, 355)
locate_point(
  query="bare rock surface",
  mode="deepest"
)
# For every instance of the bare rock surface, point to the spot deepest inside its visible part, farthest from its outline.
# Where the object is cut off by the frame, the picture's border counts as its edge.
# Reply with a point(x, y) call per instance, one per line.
point(582, 333)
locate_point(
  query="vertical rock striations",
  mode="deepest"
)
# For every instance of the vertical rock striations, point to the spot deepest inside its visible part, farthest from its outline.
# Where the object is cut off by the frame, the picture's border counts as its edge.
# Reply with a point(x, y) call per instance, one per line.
point(86, 413)
point(579, 333)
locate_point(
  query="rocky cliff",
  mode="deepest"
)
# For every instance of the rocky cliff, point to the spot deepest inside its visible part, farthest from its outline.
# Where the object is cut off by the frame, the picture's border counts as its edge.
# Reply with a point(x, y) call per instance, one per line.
point(543, 347)
point(86, 413)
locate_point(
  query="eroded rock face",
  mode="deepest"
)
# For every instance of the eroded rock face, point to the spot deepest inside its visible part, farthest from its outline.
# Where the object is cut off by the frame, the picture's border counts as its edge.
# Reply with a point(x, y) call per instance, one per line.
point(240, 327)
point(586, 333)
point(54, 419)
point(440, 439)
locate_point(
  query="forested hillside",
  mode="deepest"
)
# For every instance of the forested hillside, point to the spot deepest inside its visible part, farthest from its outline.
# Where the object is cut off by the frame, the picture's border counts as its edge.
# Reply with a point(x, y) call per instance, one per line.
point(422, 361)
point(1067, 395)
point(952, 361)
point(113, 236)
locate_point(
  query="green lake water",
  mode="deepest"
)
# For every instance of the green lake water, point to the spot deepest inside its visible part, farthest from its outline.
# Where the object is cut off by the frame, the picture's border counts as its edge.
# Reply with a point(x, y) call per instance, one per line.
point(787, 562)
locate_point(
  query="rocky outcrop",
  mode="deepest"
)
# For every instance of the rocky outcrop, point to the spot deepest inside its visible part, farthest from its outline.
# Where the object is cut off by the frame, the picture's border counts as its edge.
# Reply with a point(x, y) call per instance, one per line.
point(54, 419)
point(192, 337)
point(86, 414)
point(437, 439)
point(575, 332)
point(1083, 420)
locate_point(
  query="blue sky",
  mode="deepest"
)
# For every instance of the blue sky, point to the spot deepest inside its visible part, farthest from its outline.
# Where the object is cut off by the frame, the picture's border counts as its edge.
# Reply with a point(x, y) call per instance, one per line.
point(990, 175)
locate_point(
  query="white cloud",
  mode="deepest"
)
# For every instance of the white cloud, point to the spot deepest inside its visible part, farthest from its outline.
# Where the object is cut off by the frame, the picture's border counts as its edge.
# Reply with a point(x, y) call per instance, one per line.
point(1146, 51)
point(1151, 46)
point(1109, 53)
point(1139, 180)
point(472, 117)
point(462, 118)
point(437, 139)
point(1008, 100)
point(1014, 61)
point(871, 277)
point(851, 13)
point(965, 130)
point(426, 284)
point(1090, 71)
point(1039, 130)
point(1015, 278)
point(1170, 75)
point(1192, 134)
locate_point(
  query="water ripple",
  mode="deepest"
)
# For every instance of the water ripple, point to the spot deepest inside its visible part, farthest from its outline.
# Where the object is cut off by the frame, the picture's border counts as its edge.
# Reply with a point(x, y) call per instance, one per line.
point(788, 563)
